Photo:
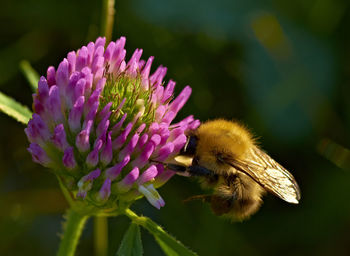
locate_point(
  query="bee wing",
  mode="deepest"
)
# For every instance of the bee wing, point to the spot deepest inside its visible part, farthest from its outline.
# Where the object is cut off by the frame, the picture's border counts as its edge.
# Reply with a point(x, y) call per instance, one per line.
point(269, 174)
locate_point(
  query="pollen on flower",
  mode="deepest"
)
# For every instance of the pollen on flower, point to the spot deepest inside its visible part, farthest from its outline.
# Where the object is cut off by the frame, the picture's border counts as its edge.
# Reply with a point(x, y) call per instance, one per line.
point(100, 122)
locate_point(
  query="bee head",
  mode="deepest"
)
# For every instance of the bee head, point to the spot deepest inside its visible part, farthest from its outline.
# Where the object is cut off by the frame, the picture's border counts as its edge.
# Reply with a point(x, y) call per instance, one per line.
point(190, 147)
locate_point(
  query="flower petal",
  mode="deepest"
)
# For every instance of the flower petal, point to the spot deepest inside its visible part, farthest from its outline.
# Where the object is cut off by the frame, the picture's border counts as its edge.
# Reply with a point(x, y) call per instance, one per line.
point(152, 196)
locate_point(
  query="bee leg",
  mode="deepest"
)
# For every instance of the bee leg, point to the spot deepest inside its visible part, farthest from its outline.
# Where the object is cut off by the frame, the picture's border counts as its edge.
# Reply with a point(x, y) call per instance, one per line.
point(179, 169)
point(239, 197)
point(176, 167)
point(197, 170)
point(220, 205)
point(203, 198)
point(194, 170)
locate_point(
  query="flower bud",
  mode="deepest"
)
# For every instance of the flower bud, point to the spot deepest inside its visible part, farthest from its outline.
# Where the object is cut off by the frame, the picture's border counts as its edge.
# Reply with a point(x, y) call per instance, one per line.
point(103, 124)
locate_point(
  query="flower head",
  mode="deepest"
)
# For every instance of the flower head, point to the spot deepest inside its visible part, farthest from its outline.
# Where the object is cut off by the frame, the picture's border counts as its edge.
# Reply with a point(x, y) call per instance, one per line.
point(103, 124)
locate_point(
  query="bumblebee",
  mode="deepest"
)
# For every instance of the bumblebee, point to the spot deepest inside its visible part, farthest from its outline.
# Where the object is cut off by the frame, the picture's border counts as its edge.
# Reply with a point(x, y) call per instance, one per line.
point(226, 158)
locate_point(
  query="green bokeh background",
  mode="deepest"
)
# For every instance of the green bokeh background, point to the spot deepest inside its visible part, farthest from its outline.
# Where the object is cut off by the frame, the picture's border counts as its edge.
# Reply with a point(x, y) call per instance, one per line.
point(280, 67)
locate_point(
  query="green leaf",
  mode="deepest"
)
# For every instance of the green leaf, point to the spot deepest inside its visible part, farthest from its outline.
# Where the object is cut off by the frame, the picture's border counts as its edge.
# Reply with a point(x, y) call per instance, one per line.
point(169, 248)
point(14, 109)
point(31, 75)
point(131, 244)
point(168, 243)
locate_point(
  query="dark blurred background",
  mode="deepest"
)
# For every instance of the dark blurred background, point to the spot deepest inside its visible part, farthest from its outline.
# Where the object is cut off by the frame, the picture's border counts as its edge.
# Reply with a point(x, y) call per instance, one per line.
point(280, 67)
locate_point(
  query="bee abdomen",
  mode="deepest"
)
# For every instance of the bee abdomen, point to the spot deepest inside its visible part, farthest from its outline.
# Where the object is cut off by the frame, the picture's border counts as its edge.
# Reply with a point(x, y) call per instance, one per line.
point(238, 197)
point(244, 208)
point(220, 205)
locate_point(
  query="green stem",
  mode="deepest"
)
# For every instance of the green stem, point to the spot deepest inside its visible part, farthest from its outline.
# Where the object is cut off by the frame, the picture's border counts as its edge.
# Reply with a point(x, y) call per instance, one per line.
point(107, 17)
point(142, 221)
point(73, 228)
point(101, 235)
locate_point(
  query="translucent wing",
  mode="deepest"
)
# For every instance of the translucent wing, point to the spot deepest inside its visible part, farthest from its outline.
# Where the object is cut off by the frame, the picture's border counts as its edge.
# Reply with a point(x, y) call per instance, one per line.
point(269, 174)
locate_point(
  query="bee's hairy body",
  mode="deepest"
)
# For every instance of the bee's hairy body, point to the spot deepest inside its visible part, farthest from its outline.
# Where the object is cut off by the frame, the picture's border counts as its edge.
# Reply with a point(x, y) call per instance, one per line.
point(235, 194)
point(227, 160)
point(219, 139)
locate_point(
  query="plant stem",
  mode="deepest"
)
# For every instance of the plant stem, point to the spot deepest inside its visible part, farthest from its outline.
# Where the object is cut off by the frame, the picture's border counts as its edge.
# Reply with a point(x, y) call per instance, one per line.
point(73, 228)
point(101, 235)
point(107, 17)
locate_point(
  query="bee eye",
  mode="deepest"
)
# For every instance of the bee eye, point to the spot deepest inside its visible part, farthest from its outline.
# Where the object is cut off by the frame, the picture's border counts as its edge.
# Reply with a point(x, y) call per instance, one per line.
point(190, 147)
point(195, 161)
